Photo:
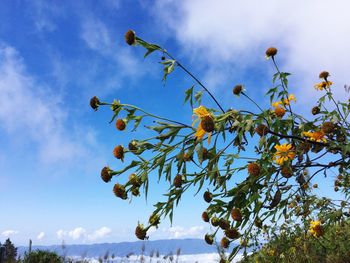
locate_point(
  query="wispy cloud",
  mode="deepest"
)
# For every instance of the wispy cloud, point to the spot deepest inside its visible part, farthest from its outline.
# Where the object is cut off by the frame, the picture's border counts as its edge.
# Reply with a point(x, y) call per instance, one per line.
point(232, 36)
point(40, 236)
point(80, 233)
point(33, 114)
point(9, 233)
point(183, 232)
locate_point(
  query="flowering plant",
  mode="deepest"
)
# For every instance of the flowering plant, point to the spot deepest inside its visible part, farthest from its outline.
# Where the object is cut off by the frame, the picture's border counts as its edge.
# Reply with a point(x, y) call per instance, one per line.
point(289, 152)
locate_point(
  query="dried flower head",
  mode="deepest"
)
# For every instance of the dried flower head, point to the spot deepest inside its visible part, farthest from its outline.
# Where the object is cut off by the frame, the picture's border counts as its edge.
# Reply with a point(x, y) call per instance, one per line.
point(120, 125)
point(224, 224)
point(178, 181)
point(119, 191)
point(328, 127)
point(324, 75)
point(225, 243)
point(232, 233)
point(207, 196)
point(94, 103)
point(134, 180)
point(133, 146)
point(286, 171)
point(130, 37)
point(236, 214)
point(215, 221)
point(205, 216)
point(106, 174)
point(237, 89)
point(207, 124)
point(271, 52)
point(254, 169)
point(118, 152)
point(262, 130)
point(315, 110)
point(141, 232)
point(209, 239)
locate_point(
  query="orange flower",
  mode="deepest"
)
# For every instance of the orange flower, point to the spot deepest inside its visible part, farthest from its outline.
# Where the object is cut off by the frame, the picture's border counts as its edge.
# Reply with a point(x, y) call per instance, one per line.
point(322, 85)
point(279, 111)
point(285, 152)
point(317, 136)
point(206, 124)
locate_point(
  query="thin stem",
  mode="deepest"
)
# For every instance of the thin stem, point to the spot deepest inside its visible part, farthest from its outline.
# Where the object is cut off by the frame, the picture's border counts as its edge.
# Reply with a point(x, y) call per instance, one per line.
point(197, 80)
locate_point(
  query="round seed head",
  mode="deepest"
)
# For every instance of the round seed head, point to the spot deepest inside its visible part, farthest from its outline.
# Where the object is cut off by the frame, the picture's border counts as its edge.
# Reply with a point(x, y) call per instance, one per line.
point(106, 174)
point(119, 191)
point(94, 103)
point(178, 181)
point(130, 37)
point(328, 127)
point(120, 125)
point(224, 224)
point(271, 52)
point(324, 75)
point(141, 232)
point(254, 169)
point(118, 152)
point(286, 172)
point(209, 239)
point(232, 233)
point(207, 124)
point(215, 221)
point(236, 214)
point(207, 196)
point(225, 242)
point(315, 110)
point(237, 89)
point(205, 217)
point(262, 130)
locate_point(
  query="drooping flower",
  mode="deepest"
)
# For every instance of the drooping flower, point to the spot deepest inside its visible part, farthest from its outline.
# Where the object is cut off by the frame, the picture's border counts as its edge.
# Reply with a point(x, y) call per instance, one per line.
point(317, 136)
point(322, 85)
point(206, 124)
point(284, 153)
point(316, 228)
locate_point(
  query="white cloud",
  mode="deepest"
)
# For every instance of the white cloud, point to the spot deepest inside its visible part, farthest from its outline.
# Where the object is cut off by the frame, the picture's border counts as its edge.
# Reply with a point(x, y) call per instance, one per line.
point(8, 233)
point(100, 233)
point(31, 112)
point(182, 232)
point(77, 233)
point(231, 35)
point(82, 234)
point(96, 35)
point(40, 236)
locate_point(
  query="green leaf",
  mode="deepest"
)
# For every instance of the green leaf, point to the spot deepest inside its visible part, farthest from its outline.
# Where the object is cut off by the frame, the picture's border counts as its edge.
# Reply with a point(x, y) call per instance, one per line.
point(189, 96)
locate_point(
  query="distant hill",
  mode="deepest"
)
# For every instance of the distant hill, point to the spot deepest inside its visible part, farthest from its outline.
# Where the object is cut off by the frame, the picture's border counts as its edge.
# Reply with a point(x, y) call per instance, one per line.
point(164, 247)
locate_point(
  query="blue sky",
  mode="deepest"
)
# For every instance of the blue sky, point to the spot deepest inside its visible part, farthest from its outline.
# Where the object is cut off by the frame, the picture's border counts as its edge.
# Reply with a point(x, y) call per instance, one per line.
point(54, 56)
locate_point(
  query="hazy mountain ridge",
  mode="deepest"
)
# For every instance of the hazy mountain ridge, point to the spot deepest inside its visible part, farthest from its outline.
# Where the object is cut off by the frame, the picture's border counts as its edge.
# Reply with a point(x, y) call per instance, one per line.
point(164, 247)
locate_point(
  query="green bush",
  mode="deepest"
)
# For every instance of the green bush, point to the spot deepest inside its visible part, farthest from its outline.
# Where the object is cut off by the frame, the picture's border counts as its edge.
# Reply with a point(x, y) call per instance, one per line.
point(297, 244)
point(42, 256)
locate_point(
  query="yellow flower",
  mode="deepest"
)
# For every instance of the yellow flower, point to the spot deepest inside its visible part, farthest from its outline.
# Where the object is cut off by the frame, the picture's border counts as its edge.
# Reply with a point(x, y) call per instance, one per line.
point(206, 124)
point(284, 153)
point(317, 136)
point(316, 228)
point(290, 98)
point(323, 84)
point(279, 111)
point(276, 104)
